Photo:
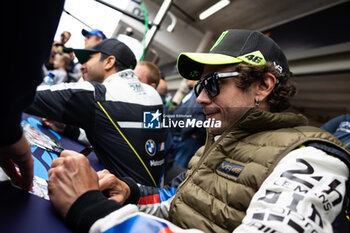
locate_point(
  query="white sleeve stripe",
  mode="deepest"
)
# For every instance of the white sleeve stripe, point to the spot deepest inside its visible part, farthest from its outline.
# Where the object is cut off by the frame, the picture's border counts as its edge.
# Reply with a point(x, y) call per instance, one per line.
point(304, 193)
point(130, 124)
point(64, 86)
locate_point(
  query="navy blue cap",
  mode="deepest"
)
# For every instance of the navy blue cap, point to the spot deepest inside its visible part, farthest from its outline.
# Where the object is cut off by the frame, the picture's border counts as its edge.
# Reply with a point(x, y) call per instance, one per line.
point(110, 47)
point(94, 32)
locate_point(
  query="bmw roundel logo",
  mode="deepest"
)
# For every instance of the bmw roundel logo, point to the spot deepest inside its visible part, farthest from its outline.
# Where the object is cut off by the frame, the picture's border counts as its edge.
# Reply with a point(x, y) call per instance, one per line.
point(150, 147)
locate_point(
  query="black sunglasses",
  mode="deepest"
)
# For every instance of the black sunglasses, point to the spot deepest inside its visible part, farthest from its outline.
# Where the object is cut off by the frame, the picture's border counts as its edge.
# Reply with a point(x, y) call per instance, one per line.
point(210, 83)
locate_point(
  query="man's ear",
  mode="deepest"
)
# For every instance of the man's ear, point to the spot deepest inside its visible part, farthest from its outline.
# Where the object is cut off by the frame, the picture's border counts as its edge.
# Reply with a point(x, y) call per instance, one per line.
point(154, 85)
point(265, 87)
point(109, 63)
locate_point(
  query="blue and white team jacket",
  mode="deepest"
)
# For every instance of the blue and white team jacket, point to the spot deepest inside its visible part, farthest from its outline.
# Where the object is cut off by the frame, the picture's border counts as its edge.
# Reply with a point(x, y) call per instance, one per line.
point(281, 205)
point(92, 106)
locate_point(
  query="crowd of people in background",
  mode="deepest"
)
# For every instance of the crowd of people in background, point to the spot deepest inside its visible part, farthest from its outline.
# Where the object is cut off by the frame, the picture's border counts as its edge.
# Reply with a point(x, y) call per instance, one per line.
point(62, 63)
point(180, 143)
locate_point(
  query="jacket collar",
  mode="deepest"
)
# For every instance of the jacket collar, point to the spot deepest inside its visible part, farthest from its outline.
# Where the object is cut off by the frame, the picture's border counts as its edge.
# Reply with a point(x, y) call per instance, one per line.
point(255, 120)
point(128, 73)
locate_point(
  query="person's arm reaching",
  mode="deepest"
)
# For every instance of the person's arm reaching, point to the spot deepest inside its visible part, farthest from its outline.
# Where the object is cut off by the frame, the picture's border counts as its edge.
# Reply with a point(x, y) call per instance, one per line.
point(25, 56)
point(73, 190)
point(18, 153)
point(70, 131)
point(69, 103)
point(150, 200)
point(116, 189)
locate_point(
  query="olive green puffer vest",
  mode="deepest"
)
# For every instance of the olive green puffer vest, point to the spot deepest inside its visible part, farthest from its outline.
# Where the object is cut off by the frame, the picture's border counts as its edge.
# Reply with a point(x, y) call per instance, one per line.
point(224, 175)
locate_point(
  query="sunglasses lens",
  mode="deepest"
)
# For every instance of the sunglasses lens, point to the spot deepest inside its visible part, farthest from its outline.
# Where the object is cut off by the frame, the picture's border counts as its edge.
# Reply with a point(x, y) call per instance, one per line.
point(210, 83)
point(198, 89)
point(211, 87)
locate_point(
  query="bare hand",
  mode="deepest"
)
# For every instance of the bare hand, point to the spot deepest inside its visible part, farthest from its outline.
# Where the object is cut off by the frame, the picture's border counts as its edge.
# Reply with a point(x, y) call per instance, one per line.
point(18, 154)
point(118, 190)
point(55, 126)
point(70, 176)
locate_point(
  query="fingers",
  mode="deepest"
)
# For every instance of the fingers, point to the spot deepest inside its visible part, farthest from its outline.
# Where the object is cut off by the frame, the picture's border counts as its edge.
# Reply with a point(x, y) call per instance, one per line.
point(103, 173)
point(48, 123)
point(26, 169)
point(69, 178)
point(64, 154)
point(10, 169)
point(118, 190)
point(106, 180)
point(118, 198)
point(67, 153)
point(18, 154)
point(25, 164)
point(55, 126)
point(69, 159)
point(120, 193)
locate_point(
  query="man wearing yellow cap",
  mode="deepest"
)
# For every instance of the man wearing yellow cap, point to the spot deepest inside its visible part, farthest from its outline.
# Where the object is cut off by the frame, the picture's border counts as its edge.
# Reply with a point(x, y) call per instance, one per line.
point(262, 170)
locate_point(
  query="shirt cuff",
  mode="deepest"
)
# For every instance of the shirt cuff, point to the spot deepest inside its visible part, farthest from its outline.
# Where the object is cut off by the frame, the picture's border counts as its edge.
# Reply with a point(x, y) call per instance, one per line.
point(134, 191)
point(87, 209)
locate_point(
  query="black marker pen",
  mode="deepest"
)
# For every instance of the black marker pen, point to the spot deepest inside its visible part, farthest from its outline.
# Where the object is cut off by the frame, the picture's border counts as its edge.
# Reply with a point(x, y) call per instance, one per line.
point(87, 150)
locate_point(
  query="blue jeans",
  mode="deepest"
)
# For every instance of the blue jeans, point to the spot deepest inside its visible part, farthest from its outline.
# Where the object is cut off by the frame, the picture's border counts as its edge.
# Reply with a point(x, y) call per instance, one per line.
point(182, 151)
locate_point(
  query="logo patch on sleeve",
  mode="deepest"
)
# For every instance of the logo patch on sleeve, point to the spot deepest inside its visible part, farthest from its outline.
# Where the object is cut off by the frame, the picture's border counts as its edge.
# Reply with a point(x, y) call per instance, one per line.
point(230, 169)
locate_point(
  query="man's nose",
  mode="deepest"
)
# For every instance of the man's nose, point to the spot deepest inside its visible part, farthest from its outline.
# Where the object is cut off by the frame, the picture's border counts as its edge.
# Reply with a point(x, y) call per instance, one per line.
point(203, 98)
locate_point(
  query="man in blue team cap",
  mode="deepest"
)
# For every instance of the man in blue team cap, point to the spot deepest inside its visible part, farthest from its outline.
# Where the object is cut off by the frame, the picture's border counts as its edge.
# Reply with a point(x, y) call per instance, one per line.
point(93, 37)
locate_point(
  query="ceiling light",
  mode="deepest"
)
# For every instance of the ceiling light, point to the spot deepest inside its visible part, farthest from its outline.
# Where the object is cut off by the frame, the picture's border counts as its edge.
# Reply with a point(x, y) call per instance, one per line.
point(213, 9)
